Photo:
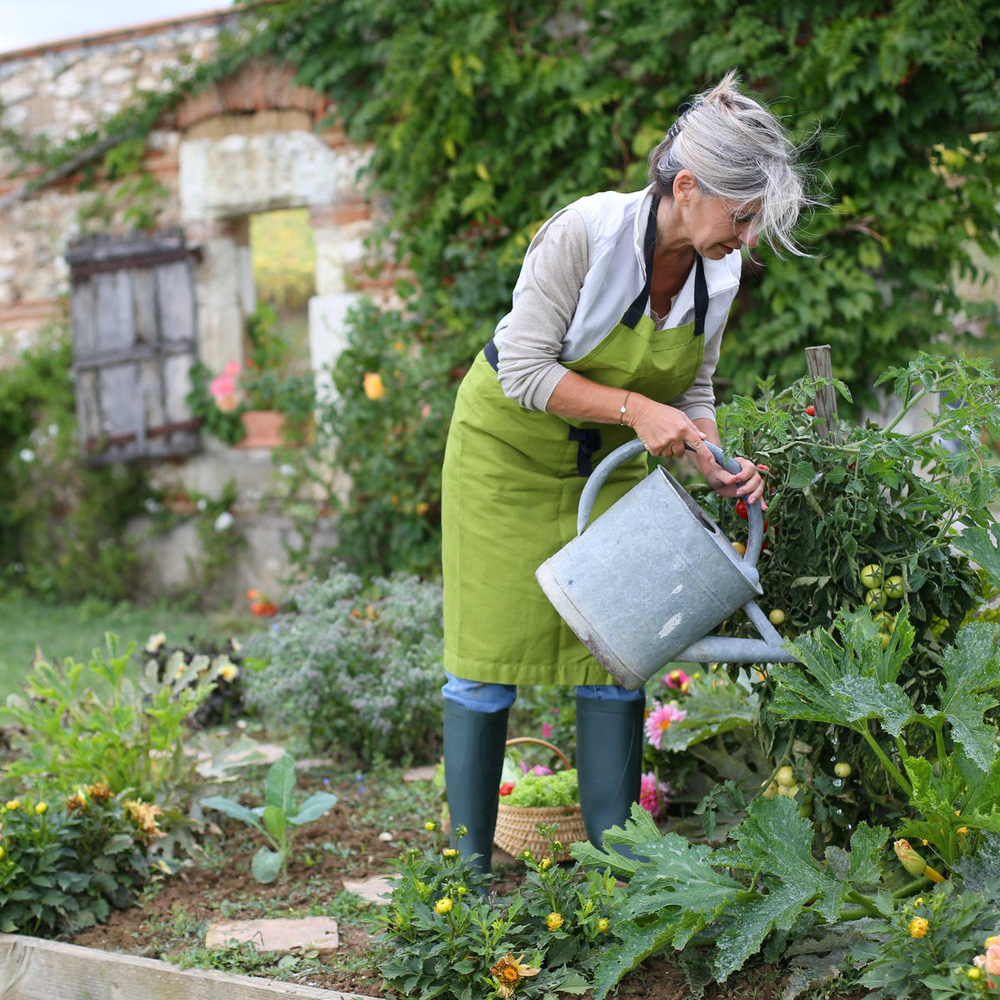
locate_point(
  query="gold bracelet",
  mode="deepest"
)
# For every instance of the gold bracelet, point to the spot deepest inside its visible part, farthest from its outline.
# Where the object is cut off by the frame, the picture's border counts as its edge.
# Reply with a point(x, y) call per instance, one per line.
point(622, 410)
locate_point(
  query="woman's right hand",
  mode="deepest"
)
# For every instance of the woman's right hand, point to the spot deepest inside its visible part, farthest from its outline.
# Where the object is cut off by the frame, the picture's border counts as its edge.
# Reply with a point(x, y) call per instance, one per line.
point(664, 430)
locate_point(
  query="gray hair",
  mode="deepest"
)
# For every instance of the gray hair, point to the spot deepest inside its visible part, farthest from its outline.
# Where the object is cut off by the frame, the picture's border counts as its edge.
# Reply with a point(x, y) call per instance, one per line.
point(739, 151)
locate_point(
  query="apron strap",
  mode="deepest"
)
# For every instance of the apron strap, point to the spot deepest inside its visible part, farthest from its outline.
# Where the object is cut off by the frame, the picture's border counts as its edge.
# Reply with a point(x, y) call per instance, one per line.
point(590, 444)
point(635, 311)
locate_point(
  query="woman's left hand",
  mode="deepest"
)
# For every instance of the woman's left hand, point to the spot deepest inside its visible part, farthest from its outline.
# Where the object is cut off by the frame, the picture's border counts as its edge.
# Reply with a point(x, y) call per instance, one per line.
point(746, 484)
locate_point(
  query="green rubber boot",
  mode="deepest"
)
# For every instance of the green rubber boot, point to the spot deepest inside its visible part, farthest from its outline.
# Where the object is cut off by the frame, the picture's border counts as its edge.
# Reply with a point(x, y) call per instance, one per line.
point(608, 762)
point(474, 745)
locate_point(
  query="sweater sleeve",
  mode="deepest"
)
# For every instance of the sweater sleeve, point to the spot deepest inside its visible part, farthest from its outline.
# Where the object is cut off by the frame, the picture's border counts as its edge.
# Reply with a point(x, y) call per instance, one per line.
point(529, 338)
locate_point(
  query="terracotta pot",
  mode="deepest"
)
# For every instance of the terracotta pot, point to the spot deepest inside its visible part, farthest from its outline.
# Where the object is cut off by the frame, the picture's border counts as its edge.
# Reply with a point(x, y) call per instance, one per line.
point(265, 429)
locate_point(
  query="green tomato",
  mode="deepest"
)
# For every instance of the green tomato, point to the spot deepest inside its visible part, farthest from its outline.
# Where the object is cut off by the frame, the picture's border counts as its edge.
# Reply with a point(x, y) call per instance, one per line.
point(770, 791)
point(893, 588)
point(785, 777)
point(875, 599)
point(842, 770)
point(871, 576)
point(885, 622)
point(790, 792)
point(776, 617)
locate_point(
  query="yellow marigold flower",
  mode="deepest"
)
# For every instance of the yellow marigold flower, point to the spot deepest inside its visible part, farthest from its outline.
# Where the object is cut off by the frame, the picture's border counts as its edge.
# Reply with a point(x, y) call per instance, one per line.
point(145, 815)
point(545, 864)
point(508, 972)
point(13, 805)
point(461, 891)
point(995, 939)
point(962, 829)
point(973, 973)
point(99, 792)
point(450, 852)
point(443, 905)
point(430, 825)
point(602, 925)
point(554, 921)
point(919, 927)
point(41, 808)
point(919, 901)
point(373, 386)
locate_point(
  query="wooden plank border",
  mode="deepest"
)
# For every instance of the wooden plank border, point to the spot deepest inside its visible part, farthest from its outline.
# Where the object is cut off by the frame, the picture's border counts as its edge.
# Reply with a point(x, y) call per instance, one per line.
point(37, 969)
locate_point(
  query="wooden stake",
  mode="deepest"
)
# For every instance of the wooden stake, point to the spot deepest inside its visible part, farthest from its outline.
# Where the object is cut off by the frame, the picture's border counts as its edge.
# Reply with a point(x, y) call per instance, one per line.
point(818, 365)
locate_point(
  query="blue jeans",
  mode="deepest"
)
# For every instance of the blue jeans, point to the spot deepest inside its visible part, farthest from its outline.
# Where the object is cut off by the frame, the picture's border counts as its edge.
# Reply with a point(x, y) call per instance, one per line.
point(482, 696)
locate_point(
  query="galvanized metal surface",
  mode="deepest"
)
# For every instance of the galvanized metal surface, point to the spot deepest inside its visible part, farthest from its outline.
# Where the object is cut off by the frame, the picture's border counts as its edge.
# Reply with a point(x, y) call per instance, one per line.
point(646, 583)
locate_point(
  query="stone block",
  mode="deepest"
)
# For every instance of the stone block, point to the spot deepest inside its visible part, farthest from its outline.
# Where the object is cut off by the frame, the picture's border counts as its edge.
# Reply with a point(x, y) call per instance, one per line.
point(277, 934)
point(371, 889)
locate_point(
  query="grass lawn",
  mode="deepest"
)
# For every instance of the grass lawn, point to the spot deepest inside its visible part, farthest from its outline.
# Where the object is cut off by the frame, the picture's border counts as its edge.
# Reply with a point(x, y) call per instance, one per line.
point(61, 630)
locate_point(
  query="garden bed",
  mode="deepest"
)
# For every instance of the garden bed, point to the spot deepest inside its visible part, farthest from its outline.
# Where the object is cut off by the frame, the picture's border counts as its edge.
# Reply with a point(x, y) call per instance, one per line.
point(170, 921)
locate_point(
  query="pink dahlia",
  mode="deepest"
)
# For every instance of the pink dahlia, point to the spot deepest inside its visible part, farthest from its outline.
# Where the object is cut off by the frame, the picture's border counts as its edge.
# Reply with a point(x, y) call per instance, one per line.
point(678, 680)
point(659, 721)
point(653, 795)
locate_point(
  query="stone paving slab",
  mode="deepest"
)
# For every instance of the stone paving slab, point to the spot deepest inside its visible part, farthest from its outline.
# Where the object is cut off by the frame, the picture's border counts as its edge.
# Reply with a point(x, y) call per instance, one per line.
point(318, 934)
point(425, 773)
point(371, 889)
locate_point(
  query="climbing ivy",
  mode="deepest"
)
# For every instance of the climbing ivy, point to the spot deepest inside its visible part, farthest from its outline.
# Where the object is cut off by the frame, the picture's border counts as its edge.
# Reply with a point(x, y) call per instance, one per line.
point(485, 116)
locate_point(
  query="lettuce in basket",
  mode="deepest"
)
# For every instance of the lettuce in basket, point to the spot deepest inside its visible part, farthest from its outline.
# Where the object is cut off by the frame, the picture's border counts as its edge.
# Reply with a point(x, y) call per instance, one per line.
point(559, 789)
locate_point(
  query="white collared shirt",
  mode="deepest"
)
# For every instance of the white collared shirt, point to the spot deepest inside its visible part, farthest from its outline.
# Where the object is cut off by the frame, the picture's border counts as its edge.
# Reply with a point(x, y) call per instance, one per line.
point(580, 274)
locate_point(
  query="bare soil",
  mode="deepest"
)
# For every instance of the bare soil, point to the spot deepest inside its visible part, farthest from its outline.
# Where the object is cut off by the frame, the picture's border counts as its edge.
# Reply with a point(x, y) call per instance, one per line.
point(170, 920)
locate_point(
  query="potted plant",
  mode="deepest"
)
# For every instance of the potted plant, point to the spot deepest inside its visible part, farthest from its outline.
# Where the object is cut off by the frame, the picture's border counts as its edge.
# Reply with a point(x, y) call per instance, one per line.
point(261, 404)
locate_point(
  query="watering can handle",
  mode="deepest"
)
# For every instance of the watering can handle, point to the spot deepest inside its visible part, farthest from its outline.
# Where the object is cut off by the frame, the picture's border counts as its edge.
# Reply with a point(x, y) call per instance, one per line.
point(635, 447)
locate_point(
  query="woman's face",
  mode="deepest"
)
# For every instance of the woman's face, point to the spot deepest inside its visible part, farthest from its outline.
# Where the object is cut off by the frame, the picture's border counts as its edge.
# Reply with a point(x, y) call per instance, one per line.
point(714, 227)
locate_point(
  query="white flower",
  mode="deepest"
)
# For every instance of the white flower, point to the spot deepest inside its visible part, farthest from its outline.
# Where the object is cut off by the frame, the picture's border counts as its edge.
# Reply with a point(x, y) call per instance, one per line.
point(155, 642)
point(224, 520)
point(152, 507)
point(53, 430)
point(27, 455)
point(287, 470)
point(201, 504)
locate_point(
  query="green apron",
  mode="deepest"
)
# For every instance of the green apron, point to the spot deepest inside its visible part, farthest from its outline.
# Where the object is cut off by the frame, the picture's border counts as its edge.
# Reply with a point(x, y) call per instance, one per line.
point(511, 486)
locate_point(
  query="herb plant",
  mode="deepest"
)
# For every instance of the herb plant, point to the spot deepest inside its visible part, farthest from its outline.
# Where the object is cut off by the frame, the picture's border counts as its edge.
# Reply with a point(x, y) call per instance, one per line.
point(274, 818)
point(354, 665)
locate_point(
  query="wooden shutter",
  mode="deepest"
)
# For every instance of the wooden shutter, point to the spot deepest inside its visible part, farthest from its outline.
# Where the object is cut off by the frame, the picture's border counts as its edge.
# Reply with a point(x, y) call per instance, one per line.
point(134, 320)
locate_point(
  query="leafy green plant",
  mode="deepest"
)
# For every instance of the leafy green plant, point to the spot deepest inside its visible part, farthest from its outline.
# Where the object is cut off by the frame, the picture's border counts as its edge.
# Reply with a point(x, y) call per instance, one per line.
point(274, 819)
point(765, 882)
point(444, 937)
point(854, 683)
point(101, 719)
point(927, 948)
point(64, 867)
point(354, 664)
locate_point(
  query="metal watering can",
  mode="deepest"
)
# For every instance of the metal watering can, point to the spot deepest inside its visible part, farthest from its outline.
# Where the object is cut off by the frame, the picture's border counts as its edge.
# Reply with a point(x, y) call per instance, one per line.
point(646, 583)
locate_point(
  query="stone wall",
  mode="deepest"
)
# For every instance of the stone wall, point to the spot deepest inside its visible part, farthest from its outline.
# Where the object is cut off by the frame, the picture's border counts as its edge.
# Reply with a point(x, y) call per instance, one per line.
point(250, 144)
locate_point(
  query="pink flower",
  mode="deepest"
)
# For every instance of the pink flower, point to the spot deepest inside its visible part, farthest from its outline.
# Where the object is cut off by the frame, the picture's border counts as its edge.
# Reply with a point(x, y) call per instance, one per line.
point(222, 385)
point(653, 795)
point(660, 720)
point(678, 680)
point(547, 730)
point(232, 369)
point(992, 963)
point(538, 770)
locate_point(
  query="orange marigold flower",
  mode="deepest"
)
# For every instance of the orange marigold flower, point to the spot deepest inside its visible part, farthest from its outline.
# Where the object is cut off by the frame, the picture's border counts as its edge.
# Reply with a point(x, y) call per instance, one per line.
point(509, 971)
point(76, 802)
point(99, 792)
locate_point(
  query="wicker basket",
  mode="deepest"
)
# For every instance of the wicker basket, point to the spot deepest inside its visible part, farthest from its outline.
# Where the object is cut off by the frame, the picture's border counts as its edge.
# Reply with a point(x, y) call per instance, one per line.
point(517, 826)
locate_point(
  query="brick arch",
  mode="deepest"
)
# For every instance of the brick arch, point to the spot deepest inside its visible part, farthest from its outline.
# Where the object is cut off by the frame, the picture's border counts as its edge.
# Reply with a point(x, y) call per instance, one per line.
point(256, 86)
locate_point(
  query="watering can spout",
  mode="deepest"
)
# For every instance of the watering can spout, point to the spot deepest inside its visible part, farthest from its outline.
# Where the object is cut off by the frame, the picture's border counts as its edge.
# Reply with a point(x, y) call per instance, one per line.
point(675, 574)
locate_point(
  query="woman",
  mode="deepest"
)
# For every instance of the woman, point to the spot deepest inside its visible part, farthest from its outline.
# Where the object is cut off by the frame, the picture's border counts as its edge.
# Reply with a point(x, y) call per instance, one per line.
point(615, 331)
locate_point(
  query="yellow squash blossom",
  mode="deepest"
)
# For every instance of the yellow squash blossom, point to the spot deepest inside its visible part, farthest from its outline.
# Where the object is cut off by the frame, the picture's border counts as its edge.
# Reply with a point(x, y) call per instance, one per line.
point(914, 862)
point(509, 971)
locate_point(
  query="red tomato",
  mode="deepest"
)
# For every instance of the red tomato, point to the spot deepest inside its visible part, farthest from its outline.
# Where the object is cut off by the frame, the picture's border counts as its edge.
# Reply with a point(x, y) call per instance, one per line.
point(810, 411)
point(741, 509)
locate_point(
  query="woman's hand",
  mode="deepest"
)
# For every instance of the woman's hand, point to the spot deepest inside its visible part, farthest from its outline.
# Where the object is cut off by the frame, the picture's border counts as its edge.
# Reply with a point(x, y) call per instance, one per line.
point(746, 484)
point(664, 430)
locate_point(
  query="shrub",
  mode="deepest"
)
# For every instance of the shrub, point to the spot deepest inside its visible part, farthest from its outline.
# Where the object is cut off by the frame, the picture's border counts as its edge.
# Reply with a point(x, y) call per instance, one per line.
point(354, 665)
point(78, 721)
point(64, 867)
